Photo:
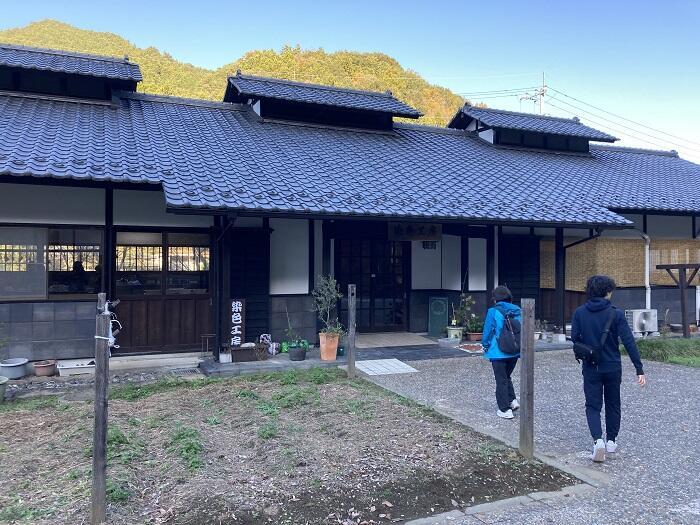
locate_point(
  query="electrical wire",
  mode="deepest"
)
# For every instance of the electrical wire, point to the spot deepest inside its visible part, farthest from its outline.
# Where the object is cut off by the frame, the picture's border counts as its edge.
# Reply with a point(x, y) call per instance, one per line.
point(623, 118)
point(620, 125)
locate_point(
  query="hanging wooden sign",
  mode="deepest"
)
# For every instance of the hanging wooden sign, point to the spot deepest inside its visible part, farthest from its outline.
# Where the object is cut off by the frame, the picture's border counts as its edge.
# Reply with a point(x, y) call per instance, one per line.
point(237, 322)
point(414, 231)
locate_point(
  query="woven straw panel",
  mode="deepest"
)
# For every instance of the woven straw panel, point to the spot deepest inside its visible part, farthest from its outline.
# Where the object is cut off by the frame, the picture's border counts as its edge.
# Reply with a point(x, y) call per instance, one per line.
point(673, 251)
point(621, 259)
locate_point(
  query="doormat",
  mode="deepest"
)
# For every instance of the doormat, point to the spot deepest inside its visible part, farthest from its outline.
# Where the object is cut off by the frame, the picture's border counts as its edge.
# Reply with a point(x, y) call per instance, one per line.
point(472, 348)
point(380, 367)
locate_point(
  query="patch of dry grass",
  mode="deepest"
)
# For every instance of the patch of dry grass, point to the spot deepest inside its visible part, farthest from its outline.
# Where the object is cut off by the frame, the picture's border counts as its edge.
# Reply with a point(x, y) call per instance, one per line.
point(284, 448)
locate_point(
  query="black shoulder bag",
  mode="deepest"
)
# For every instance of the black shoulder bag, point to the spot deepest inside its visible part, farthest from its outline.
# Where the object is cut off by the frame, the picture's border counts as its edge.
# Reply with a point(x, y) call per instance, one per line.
point(588, 354)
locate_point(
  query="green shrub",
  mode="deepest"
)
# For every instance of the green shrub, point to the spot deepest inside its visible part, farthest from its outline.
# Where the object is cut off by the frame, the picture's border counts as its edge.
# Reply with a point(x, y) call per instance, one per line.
point(671, 350)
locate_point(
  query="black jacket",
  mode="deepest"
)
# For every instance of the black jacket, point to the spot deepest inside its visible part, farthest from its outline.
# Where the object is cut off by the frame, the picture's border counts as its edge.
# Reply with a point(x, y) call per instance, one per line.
point(588, 325)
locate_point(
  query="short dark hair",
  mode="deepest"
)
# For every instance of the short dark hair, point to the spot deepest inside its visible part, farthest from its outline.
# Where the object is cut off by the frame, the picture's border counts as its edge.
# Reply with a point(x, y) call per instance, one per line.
point(599, 286)
point(502, 293)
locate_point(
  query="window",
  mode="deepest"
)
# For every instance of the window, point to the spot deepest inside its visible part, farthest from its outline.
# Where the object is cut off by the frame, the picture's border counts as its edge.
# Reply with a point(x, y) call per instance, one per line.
point(139, 263)
point(147, 261)
point(188, 263)
point(42, 263)
point(73, 261)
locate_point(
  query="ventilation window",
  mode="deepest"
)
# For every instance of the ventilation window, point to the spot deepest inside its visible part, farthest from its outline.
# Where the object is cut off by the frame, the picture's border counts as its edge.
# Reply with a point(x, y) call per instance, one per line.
point(430, 245)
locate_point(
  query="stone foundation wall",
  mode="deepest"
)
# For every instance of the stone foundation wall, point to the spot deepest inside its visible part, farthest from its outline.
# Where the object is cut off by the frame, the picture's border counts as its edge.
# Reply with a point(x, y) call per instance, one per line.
point(48, 330)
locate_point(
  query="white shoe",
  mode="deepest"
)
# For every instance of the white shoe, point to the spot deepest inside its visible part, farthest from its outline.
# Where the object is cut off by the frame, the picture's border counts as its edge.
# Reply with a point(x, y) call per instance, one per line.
point(514, 405)
point(610, 447)
point(598, 451)
point(508, 414)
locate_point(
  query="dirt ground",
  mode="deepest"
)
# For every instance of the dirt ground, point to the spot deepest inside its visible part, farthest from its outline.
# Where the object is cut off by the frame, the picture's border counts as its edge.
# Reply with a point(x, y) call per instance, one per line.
point(307, 447)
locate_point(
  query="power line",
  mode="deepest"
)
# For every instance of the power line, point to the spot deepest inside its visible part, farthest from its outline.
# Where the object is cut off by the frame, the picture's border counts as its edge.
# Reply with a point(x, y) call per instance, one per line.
point(619, 125)
point(624, 118)
point(492, 91)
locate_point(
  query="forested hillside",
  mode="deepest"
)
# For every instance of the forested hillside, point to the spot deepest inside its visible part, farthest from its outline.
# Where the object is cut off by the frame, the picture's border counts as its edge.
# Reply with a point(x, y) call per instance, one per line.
point(165, 75)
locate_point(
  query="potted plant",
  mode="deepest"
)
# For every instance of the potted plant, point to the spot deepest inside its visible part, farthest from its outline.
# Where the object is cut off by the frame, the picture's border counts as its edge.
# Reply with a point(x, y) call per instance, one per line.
point(474, 327)
point(294, 345)
point(326, 296)
point(460, 316)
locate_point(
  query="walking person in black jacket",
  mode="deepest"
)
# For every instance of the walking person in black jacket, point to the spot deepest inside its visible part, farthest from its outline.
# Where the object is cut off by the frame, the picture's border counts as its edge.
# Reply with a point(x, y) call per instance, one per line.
point(601, 381)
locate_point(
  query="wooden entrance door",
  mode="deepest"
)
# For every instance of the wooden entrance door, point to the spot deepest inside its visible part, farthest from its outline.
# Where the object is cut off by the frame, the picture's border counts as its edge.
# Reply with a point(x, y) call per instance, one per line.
point(378, 268)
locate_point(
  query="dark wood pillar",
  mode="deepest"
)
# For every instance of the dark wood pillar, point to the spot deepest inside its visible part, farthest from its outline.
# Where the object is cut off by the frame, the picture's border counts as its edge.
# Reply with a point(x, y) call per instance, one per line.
point(683, 285)
point(109, 251)
point(326, 248)
point(490, 262)
point(560, 278)
point(312, 254)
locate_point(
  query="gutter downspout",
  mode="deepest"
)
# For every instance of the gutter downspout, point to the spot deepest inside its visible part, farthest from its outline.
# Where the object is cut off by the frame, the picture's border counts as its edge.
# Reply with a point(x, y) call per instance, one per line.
point(647, 269)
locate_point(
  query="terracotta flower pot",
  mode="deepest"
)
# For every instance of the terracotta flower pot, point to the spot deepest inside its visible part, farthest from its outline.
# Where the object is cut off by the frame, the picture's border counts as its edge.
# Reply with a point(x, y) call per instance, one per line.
point(474, 336)
point(45, 368)
point(329, 346)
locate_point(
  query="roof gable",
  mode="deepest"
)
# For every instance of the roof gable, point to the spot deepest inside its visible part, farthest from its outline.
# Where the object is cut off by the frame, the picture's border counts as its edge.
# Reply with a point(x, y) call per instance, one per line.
point(242, 87)
point(66, 62)
point(497, 118)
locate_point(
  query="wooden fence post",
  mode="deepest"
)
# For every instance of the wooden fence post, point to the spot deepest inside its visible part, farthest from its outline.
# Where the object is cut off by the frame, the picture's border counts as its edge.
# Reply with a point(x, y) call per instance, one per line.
point(352, 296)
point(527, 379)
point(99, 442)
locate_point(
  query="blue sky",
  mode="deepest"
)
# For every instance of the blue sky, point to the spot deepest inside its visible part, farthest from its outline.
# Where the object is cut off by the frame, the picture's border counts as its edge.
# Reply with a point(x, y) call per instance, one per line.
point(637, 59)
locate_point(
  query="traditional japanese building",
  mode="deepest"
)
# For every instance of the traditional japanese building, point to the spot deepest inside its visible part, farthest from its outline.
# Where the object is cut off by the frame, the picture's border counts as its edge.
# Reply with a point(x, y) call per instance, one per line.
point(178, 207)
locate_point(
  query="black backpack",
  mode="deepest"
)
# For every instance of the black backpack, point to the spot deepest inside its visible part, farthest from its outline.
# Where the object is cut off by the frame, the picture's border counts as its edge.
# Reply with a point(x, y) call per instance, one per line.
point(509, 338)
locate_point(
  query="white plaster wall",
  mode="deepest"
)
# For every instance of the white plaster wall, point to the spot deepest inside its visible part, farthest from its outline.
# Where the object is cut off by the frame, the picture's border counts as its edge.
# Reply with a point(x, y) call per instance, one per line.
point(289, 256)
point(451, 262)
point(30, 203)
point(487, 135)
point(477, 264)
point(426, 267)
point(147, 208)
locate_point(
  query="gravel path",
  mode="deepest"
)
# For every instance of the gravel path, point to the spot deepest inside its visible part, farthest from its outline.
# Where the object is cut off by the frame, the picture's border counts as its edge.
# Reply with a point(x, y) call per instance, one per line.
point(655, 476)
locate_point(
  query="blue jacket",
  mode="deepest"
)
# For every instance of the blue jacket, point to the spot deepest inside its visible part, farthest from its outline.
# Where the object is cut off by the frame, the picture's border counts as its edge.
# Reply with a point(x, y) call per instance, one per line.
point(492, 329)
point(587, 327)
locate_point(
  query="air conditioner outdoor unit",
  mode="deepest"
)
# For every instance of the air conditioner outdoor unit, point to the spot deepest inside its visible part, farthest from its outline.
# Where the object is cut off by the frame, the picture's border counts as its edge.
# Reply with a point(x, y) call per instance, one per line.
point(642, 322)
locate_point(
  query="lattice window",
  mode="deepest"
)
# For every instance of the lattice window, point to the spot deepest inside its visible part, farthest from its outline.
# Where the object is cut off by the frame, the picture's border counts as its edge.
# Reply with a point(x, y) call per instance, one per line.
point(62, 257)
point(188, 259)
point(17, 257)
point(139, 258)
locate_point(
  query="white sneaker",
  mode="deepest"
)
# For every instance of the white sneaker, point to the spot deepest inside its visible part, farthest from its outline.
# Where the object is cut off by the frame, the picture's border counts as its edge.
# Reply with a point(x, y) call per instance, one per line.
point(508, 414)
point(610, 447)
point(598, 451)
point(514, 405)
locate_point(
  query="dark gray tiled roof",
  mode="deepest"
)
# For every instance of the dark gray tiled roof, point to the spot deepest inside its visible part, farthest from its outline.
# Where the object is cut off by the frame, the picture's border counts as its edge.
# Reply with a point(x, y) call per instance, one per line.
point(67, 62)
point(222, 156)
point(259, 87)
point(498, 118)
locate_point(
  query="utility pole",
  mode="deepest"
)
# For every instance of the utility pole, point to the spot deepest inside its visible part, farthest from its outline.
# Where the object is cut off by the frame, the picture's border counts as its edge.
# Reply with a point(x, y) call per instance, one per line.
point(538, 96)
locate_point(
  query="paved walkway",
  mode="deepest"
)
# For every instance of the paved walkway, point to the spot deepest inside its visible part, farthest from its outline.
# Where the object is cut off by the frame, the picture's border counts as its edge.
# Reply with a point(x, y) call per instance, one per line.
point(655, 478)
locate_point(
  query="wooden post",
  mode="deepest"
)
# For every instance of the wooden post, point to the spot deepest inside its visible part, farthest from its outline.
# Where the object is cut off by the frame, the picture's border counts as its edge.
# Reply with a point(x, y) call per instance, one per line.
point(683, 284)
point(527, 379)
point(352, 296)
point(99, 442)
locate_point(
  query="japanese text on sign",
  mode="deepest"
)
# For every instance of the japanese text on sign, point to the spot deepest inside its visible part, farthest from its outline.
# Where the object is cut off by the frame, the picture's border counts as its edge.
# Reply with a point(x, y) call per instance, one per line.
point(237, 322)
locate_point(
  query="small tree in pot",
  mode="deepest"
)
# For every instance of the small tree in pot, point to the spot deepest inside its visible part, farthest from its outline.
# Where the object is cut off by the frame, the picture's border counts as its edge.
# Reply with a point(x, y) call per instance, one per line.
point(326, 296)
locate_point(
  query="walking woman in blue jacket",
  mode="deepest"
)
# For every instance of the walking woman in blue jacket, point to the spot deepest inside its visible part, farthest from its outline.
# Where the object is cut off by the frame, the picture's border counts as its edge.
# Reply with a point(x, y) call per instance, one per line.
point(503, 364)
point(601, 380)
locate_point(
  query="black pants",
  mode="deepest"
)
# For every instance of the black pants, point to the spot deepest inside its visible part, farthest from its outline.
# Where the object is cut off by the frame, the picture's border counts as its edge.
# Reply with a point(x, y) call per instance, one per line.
point(599, 386)
point(502, 370)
